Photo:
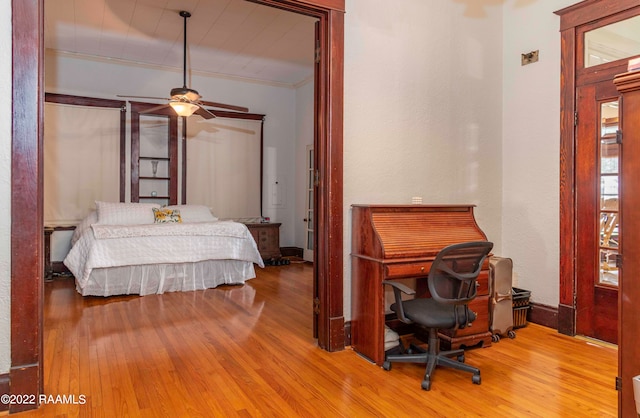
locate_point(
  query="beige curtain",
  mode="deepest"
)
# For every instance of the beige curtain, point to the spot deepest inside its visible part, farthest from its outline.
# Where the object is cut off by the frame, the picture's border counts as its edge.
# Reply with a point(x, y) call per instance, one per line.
point(81, 160)
point(223, 166)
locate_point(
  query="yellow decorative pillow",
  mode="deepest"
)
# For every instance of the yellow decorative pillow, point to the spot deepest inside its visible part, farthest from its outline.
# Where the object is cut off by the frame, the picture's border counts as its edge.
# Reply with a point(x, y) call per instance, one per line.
point(164, 215)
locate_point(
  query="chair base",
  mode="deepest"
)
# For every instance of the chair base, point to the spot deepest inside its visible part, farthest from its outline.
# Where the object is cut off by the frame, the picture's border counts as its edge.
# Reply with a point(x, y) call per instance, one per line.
point(432, 358)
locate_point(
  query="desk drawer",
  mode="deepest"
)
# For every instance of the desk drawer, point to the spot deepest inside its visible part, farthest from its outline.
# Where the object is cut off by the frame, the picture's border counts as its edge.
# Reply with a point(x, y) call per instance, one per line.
point(483, 283)
point(419, 269)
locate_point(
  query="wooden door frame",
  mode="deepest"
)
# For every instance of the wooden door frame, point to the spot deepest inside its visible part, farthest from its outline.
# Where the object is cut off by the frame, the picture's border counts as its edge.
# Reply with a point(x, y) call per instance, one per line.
point(570, 19)
point(628, 85)
point(27, 241)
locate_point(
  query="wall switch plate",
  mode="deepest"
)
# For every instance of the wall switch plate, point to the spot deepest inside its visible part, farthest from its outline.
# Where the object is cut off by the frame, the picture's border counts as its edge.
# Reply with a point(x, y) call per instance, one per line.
point(530, 57)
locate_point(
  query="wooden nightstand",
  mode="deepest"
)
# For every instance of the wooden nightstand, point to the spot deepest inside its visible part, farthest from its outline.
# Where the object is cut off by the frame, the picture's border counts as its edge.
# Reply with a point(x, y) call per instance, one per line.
point(51, 267)
point(267, 236)
point(48, 269)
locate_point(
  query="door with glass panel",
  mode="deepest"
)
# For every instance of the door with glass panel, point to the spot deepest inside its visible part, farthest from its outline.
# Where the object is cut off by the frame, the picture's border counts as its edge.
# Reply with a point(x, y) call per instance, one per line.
point(598, 202)
point(308, 220)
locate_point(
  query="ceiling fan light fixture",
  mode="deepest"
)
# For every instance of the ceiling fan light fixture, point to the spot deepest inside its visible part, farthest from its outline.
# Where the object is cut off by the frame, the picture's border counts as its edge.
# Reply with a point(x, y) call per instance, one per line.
point(183, 108)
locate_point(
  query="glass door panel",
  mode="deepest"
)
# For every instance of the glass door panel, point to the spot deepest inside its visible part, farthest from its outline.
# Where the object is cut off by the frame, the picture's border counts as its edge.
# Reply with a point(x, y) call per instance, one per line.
point(309, 246)
point(609, 151)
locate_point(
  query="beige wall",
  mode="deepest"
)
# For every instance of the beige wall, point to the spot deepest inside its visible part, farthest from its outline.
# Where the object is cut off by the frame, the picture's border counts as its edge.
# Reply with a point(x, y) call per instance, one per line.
point(531, 147)
point(423, 109)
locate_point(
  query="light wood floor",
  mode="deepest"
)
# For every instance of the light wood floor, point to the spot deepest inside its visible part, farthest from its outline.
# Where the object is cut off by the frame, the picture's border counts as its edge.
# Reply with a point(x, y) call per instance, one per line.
point(247, 351)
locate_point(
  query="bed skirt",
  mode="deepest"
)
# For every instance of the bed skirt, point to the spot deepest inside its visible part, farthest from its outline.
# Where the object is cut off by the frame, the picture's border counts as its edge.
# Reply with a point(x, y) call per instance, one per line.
point(160, 278)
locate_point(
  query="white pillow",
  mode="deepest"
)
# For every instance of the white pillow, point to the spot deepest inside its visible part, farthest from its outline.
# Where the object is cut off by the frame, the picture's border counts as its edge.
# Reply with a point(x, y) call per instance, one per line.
point(86, 223)
point(194, 213)
point(117, 213)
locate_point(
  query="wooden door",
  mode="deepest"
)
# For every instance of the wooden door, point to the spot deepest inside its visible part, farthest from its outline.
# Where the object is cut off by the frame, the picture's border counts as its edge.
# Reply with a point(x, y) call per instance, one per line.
point(597, 202)
point(317, 159)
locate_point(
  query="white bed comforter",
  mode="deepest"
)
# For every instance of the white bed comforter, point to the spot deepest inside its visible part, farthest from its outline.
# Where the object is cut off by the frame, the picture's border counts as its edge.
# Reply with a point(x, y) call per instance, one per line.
point(124, 245)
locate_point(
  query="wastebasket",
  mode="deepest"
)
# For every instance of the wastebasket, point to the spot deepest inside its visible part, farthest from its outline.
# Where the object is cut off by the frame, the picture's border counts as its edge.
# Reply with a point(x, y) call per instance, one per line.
point(521, 306)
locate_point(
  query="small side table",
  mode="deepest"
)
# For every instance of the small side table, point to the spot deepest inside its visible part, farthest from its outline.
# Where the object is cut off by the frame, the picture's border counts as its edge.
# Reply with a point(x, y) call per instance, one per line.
point(51, 267)
point(48, 268)
point(267, 237)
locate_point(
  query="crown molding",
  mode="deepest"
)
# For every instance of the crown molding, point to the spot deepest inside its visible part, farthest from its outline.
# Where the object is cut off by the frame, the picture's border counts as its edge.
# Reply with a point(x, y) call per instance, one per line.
point(210, 74)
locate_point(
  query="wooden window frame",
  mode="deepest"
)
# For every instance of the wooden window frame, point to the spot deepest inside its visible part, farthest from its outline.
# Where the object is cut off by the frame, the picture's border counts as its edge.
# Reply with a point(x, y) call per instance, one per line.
point(106, 103)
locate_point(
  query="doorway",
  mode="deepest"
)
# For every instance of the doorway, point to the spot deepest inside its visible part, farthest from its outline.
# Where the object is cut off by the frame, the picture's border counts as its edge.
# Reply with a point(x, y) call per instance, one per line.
point(27, 179)
point(598, 38)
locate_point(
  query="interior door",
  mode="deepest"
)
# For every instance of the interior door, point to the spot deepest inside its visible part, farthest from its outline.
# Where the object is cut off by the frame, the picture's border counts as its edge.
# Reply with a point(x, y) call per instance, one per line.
point(597, 203)
point(318, 104)
point(308, 220)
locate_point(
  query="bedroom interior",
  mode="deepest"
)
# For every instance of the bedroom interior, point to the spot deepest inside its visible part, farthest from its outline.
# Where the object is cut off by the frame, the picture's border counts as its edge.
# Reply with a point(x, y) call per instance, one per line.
point(245, 178)
point(485, 218)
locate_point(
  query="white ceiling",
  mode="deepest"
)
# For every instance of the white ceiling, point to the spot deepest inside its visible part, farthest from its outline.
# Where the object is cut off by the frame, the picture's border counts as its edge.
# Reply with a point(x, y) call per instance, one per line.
point(225, 37)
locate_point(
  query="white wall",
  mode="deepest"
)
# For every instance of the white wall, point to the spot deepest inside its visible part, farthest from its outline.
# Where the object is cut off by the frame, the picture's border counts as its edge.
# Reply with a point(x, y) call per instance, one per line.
point(531, 147)
point(98, 78)
point(5, 186)
point(423, 110)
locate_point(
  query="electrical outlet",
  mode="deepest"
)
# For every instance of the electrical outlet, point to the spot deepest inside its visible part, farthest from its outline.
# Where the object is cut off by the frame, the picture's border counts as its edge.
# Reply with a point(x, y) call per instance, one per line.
point(530, 57)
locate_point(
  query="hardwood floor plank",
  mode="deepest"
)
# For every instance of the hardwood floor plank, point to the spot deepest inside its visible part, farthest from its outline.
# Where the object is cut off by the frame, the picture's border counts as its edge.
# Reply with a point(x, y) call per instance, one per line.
point(248, 351)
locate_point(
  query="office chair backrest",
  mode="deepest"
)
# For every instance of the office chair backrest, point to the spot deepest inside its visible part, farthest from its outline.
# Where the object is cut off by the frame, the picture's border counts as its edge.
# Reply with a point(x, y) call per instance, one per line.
point(452, 277)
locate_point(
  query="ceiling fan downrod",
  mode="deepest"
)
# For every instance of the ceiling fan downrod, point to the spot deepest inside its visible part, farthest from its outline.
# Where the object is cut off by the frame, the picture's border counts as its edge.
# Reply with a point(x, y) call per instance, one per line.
point(185, 15)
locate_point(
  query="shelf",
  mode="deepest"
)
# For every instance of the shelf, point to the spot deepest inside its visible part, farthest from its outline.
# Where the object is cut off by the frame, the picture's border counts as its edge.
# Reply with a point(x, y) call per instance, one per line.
point(154, 161)
point(155, 158)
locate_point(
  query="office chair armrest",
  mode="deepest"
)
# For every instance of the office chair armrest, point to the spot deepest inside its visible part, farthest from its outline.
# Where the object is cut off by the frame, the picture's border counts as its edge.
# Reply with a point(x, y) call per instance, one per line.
point(397, 288)
point(400, 286)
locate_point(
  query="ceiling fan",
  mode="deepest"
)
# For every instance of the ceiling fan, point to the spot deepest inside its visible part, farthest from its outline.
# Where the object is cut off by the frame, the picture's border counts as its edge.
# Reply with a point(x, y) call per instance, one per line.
point(184, 100)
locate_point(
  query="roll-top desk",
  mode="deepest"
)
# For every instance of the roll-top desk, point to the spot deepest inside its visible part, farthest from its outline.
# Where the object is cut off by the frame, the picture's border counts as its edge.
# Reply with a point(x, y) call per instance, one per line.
point(401, 242)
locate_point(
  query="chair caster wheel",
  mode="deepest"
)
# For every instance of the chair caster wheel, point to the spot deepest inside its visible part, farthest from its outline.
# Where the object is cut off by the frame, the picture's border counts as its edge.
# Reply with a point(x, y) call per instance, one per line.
point(461, 358)
point(426, 385)
point(386, 365)
point(476, 379)
point(511, 334)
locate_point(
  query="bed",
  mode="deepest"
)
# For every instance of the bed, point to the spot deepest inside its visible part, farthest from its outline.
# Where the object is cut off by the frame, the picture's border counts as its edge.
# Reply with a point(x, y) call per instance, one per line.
point(142, 248)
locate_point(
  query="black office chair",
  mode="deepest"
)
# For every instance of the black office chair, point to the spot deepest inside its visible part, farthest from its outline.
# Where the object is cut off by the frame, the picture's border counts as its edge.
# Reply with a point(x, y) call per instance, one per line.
point(452, 284)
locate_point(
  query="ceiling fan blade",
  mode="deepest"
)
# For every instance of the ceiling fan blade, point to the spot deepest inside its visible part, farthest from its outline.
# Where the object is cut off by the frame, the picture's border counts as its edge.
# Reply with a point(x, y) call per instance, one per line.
point(155, 108)
point(224, 106)
point(204, 113)
point(142, 97)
